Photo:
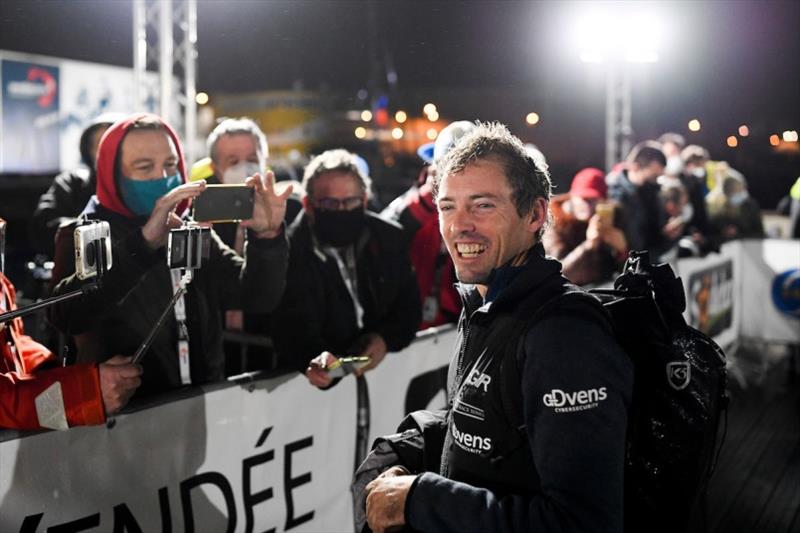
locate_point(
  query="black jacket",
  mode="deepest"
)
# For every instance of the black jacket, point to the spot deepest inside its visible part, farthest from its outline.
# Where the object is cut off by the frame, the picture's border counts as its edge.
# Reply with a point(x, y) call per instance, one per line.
point(65, 199)
point(564, 470)
point(317, 312)
point(137, 288)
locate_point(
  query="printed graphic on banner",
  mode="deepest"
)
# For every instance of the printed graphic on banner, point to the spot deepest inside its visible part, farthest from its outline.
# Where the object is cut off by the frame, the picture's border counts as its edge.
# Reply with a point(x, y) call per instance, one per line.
point(711, 299)
point(30, 111)
point(786, 292)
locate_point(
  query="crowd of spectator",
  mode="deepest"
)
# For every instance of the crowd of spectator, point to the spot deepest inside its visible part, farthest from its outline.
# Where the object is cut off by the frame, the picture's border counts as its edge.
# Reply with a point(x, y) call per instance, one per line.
point(315, 269)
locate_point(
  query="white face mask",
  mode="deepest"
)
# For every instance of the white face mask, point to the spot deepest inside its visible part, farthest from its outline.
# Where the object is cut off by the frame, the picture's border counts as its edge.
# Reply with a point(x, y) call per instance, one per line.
point(738, 198)
point(240, 172)
point(674, 165)
point(699, 172)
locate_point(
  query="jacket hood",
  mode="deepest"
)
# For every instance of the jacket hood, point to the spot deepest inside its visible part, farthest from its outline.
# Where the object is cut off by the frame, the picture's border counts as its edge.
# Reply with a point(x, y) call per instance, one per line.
point(101, 121)
point(108, 194)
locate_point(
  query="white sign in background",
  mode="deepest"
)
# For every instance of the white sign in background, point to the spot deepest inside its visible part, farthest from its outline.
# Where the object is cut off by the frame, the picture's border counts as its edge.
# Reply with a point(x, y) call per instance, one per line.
point(292, 442)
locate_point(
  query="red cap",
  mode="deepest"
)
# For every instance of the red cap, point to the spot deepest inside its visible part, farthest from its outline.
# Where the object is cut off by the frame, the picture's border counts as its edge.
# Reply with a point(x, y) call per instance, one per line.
point(589, 183)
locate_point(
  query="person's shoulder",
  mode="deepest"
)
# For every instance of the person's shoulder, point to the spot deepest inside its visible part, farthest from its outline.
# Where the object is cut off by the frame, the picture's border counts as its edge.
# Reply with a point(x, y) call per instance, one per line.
point(382, 226)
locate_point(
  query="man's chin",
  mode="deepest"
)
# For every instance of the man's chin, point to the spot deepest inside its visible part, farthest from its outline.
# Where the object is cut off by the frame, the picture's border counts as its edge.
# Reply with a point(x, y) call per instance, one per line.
point(472, 278)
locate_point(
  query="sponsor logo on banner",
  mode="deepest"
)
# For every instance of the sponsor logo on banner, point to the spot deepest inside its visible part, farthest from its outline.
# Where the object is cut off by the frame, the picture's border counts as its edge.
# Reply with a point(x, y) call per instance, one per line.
point(786, 292)
point(567, 402)
point(678, 374)
point(711, 299)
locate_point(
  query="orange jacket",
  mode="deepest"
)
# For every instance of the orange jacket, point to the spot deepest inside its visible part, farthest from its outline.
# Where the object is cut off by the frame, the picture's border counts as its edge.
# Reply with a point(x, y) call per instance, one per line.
point(23, 378)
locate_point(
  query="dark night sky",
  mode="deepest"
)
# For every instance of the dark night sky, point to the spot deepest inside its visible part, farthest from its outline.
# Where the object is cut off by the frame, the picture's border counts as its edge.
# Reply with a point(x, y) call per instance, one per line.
point(727, 63)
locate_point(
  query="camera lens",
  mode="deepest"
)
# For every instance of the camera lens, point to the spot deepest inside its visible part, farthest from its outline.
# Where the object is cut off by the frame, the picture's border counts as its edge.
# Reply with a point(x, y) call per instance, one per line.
point(90, 253)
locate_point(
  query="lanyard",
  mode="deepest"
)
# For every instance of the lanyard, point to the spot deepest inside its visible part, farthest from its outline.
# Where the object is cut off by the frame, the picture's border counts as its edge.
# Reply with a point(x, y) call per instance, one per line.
point(349, 276)
point(183, 332)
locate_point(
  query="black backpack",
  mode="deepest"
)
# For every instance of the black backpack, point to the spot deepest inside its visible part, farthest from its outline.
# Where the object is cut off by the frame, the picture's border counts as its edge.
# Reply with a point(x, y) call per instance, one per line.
point(678, 393)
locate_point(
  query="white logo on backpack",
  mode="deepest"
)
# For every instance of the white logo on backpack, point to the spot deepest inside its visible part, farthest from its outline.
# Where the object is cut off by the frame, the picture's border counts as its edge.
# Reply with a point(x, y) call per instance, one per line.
point(679, 373)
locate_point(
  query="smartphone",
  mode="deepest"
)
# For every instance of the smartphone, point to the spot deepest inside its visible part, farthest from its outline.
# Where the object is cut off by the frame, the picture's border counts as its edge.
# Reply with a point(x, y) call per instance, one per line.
point(92, 245)
point(346, 365)
point(224, 203)
point(605, 210)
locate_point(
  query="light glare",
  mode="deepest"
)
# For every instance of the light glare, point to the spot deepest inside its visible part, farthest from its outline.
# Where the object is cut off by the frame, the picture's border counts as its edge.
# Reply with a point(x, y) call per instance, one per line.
point(433, 117)
point(619, 35)
point(532, 118)
point(366, 115)
point(432, 134)
point(201, 98)
point(429, 108)
point(400, 116)
point(397, 133)
point(361, 132)
point(694, 125)
point(744, 131)
point(732, 141)
point(774, 140)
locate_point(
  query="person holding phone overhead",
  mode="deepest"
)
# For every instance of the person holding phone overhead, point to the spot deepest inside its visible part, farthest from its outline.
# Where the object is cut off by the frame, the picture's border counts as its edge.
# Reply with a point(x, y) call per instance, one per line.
point(585, 235)
point(142, 193)
point(350, 289)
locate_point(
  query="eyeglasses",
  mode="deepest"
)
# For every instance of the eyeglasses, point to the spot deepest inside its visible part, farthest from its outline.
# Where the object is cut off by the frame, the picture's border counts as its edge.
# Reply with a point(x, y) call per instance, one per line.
point(339, 204)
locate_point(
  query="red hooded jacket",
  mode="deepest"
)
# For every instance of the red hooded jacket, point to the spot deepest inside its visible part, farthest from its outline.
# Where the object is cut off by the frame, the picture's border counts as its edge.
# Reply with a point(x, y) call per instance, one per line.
point(22, 379)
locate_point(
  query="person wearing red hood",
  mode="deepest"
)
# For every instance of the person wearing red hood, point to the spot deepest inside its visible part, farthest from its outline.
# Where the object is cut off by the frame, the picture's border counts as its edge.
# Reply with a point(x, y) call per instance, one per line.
point(585, 235)
point(142, 193)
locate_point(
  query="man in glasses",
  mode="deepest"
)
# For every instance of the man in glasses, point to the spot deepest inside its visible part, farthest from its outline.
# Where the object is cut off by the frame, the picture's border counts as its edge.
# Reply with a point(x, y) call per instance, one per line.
point(350, 288)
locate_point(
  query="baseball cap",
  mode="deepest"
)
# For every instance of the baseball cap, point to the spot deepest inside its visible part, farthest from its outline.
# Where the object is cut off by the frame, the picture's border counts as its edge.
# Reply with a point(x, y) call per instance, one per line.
point(589, 183)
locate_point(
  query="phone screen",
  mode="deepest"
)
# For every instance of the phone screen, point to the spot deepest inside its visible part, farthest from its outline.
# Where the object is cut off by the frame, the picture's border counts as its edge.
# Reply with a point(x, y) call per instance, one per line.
point(224, 203)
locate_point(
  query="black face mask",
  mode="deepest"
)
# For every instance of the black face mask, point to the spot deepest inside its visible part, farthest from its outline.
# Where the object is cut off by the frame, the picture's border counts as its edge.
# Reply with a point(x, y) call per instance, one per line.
point(338, 228)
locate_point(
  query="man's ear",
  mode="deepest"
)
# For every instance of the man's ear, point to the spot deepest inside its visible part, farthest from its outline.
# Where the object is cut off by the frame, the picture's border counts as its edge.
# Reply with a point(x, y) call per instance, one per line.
point(538, 215)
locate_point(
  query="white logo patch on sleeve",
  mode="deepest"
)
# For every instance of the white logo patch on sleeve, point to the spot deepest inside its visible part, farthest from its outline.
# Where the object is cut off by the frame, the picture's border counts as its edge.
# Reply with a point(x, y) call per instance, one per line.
point(582, 400)
point(50, 408)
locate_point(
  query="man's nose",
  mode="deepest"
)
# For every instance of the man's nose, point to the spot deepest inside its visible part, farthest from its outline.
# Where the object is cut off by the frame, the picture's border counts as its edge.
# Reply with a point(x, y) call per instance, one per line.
point(461, 221)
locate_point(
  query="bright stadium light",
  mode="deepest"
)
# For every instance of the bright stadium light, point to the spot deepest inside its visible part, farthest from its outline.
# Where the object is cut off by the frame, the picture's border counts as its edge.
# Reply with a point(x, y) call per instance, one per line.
point(617, 35)
point(624, 35)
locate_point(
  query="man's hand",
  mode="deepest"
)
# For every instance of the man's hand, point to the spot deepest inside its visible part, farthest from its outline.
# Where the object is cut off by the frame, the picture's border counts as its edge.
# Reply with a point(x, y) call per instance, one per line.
point(119, 379)
point(269, 208)
point(386, 499)
point(673, 228)
point(163, 217)
point(316, 373)
point(373, 346)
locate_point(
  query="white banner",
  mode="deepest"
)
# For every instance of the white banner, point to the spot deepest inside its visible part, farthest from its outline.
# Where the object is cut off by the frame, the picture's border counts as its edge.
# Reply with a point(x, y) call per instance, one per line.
point(771, 290)
point(712, 285)
point(410, 380)
point(233, 459)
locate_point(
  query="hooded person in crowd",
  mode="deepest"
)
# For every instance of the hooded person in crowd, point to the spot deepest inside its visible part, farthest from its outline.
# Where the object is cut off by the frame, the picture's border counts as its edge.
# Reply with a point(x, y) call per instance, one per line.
point(71, 190)
point(141, 192)
point(350, 288)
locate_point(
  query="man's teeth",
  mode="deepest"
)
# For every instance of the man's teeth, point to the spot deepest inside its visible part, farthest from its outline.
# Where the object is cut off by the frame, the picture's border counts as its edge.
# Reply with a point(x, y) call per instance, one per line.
point(470, 250)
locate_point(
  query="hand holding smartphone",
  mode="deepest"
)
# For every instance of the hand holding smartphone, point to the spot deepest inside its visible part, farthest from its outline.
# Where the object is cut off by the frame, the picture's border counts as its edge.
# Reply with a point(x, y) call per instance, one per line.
point(346, 365)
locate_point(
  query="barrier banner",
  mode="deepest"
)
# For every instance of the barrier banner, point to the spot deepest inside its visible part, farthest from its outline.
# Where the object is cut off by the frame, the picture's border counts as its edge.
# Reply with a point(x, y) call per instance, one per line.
point(232, 459)
point(771, 268)
point(411, 380)
point(711, 285)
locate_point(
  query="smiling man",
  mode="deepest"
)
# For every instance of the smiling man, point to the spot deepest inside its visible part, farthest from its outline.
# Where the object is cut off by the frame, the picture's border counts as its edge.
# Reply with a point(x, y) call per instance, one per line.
point(538, 392)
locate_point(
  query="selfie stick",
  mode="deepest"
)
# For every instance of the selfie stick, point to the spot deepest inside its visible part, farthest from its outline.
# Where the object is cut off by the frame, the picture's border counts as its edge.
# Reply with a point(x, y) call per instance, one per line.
point(182, 288)
point(100, 261)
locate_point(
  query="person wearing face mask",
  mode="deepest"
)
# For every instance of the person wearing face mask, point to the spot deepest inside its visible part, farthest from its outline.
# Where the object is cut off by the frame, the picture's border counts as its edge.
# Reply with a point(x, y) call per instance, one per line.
point(350, 288)
point(141, 192)
point(693, 179)
point(731, 209)
point(635, 187)
point(590, 245)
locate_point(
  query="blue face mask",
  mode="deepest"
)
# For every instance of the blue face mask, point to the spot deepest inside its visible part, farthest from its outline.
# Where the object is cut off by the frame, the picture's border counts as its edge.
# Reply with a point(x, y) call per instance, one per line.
point(141, 195)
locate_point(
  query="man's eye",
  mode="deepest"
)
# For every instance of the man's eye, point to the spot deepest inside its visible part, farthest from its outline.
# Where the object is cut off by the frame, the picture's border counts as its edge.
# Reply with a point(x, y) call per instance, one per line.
point(485, 205)
point(445, 207)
